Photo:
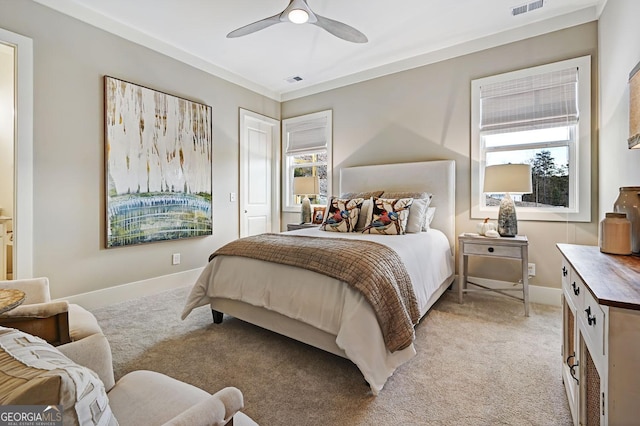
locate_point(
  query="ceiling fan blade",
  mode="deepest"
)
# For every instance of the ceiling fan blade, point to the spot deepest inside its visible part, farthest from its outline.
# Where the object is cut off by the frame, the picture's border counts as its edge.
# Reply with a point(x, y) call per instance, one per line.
point(340, 29)
point(255, 26)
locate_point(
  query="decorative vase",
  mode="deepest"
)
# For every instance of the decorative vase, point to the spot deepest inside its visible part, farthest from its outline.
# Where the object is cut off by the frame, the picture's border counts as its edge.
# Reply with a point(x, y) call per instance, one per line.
point(615, 234)
point(507, 219)
point(305, 211)
point(628, 202)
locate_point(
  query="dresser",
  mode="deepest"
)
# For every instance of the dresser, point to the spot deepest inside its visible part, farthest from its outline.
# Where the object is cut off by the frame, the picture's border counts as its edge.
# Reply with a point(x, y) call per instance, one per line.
point(601, 335)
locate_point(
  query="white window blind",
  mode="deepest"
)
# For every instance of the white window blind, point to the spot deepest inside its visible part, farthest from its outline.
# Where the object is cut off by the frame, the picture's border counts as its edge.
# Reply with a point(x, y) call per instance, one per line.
point(306, 152)
point(529, 103)
point(307, 136)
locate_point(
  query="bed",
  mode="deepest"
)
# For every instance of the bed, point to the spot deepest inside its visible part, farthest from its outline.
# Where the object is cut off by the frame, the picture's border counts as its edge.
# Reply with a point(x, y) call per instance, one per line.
point(323, 311)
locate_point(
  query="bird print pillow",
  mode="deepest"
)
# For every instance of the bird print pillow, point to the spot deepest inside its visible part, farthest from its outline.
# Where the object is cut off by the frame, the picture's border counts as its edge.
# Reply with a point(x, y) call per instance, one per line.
point(342, 214)
point(388, 216)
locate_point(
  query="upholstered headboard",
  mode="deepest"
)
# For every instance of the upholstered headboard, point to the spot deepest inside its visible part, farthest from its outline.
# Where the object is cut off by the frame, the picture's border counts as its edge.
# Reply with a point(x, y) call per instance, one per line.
point(436, 177)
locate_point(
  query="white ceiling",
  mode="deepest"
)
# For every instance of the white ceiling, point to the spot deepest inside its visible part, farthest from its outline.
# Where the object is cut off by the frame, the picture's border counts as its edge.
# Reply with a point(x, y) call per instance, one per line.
point(402, 34)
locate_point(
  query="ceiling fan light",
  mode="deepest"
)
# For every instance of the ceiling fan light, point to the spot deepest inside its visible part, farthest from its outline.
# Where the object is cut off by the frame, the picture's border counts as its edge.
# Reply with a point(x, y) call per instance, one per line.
point(298, 16)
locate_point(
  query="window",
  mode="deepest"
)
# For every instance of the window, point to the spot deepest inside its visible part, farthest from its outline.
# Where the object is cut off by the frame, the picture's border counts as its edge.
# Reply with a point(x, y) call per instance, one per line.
point(307, 141)
point(540, 116)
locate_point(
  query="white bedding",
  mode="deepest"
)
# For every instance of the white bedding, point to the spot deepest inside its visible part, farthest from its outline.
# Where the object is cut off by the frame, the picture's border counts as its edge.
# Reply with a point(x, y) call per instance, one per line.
point(326, 303)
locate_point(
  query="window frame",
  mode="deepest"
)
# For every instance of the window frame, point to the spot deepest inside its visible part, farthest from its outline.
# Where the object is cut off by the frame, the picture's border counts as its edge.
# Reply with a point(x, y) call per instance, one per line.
point(317, 119)
point(579, 151)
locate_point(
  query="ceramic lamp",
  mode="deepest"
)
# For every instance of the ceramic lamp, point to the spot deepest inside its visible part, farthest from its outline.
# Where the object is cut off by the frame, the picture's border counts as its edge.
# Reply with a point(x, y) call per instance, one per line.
point(507, 179)
point(306, 185)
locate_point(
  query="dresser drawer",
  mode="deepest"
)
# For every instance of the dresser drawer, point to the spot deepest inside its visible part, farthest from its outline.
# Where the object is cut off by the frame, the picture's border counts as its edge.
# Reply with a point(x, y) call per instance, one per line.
point(566, 272)
point(491, 250)
point(591, 317)
point(574, 289)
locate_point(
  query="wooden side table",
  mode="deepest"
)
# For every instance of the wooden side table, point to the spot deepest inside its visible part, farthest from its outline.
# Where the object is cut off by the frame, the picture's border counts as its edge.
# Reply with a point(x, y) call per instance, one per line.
point(10, 298)
point(504, 247)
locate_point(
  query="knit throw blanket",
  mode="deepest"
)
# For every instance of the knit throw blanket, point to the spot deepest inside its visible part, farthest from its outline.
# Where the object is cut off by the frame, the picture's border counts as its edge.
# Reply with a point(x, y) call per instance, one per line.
point(373, 269)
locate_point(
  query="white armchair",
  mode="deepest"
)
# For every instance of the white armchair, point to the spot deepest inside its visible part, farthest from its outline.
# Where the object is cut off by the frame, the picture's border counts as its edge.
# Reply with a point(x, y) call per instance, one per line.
point(32, 372)
point(139, 397)
point(58, 322)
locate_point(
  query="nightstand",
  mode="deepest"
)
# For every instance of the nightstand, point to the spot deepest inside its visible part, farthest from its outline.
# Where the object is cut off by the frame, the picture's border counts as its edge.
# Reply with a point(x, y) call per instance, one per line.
point(505, 248)
point(294, 226)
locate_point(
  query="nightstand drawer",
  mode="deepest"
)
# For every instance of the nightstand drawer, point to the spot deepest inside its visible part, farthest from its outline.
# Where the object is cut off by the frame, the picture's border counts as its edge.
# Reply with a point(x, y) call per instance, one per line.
point(493, 250)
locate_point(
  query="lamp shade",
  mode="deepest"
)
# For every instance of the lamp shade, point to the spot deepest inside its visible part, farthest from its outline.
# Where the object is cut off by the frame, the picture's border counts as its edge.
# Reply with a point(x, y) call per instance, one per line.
point(306, 185)
point(512, 178)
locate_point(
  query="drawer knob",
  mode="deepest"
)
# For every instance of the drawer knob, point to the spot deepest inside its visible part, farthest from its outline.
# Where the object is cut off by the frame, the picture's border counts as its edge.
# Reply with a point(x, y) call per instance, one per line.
point(490, 249)
point(576, 289)
point(591, 319)
point(564, 271)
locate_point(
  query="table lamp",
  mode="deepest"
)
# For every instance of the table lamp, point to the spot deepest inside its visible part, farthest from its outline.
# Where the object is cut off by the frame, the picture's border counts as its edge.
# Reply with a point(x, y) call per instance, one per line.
point(507, 179)
point(306, 185)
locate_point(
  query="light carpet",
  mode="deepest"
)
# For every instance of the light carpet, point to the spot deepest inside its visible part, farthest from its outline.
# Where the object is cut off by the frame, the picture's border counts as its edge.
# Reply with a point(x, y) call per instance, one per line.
point(479, 363)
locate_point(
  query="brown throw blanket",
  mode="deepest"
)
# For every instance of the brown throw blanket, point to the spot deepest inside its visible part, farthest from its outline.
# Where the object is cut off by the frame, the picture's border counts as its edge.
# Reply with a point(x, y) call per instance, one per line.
point(371, 268)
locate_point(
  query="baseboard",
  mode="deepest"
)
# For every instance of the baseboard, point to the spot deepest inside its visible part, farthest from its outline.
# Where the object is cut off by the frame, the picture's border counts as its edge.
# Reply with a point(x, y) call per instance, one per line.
point(120, 293)
point(537, 294)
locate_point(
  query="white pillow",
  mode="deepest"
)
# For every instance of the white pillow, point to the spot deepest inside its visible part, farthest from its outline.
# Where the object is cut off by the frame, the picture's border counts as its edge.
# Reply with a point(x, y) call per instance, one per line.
point(431, 211)
point(417, 215)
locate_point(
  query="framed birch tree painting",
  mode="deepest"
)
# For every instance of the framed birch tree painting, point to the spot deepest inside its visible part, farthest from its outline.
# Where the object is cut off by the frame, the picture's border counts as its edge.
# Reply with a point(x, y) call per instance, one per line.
point(158, 152)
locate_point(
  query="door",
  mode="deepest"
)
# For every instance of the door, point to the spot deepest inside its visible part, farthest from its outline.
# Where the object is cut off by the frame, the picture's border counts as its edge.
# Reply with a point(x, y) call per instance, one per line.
point(20, 210)
point(259, 174)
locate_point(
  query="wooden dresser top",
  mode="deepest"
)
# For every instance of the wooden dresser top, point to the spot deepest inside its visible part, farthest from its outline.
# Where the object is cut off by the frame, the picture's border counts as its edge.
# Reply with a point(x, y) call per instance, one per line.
point(612, 279)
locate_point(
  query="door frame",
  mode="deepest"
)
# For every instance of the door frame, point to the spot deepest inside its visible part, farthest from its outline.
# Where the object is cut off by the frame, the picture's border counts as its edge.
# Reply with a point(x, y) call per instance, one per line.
point(275, 174)
point(23, 154)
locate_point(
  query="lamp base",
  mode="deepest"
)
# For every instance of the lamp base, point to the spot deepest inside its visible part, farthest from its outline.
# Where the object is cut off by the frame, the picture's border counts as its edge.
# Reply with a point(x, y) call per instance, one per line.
point(507, 220)
point(305, 211)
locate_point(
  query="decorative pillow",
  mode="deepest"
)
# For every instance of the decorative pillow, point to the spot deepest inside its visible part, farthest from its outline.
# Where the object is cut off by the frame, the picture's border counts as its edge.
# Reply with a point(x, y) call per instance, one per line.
point(418, 210)
point(342, 214)
point(431, 211)
point(366, 205)
point(32, 372)
point(388, 216)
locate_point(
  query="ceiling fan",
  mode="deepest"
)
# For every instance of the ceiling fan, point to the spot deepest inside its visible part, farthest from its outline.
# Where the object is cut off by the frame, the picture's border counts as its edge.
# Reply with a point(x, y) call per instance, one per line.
point(299, 12)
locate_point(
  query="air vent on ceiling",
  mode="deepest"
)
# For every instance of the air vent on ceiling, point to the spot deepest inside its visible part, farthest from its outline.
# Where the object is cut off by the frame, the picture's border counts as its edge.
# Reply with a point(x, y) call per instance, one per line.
point(519, 10)
point(294, 79)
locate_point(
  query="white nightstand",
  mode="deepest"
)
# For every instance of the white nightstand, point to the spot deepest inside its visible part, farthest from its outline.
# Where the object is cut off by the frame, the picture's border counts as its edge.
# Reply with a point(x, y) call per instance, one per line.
point(504, 247)
point(294, 226)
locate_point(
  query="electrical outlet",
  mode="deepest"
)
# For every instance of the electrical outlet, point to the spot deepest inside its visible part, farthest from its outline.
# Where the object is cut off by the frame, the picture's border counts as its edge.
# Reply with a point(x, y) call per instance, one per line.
point(175, 259)
point(532, 269)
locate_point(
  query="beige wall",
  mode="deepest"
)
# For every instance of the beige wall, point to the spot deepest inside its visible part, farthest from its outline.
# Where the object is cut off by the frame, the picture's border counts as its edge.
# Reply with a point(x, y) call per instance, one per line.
point(619, 44)
point(70, 60)
point(424, 114)
point(419, 114)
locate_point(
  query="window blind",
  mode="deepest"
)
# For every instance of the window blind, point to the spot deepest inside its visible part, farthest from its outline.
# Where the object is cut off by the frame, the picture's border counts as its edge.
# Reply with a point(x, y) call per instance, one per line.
point(307, 136)
point(532, 102)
